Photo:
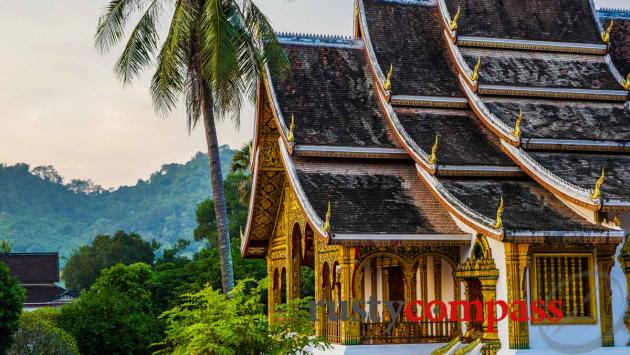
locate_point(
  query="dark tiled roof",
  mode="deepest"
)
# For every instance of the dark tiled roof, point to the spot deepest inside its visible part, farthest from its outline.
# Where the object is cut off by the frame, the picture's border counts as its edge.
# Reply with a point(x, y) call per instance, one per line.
point(463, 140)
point(584, 169)
point(540, 69)
point(620, 46)
point(332, 98)
point(409, 36)
point(372, 198)
point(564, 119)
point(528, 206)
point(43, 293)
point(548, 20)
point(33, 267)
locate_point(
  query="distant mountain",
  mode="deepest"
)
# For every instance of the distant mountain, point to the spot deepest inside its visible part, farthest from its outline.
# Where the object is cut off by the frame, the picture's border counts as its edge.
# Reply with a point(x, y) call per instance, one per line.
point(39, 211)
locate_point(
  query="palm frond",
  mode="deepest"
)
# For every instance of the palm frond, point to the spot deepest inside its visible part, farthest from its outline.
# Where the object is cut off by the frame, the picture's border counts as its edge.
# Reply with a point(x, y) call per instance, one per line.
point(169, 78)
point(141, 45)
point(111, 25)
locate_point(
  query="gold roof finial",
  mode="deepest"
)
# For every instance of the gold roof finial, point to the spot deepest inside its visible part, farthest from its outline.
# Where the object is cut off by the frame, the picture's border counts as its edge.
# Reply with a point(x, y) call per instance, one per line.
point(453, 24)
point(606, 33)
point(433, 158)
point(326, 226)
point(626, 82)
point(290, 136)
point(388, 81)
point(597, 193)
point(475, 74)
point(517, 126)
point(616, 221)
point(499, 221)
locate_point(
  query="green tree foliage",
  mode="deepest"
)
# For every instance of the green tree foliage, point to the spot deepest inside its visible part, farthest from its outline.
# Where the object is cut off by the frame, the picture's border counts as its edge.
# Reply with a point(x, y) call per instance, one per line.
point(116, 314)
point(11, 298)
point(5, 246)
point(208, 322)
point(176, 275)
point(86, 263)
point(38, 211)
point(39, 334)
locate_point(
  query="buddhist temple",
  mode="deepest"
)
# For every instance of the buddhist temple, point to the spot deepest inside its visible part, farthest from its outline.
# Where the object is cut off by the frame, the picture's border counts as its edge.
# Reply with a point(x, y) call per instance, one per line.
point(452, 150)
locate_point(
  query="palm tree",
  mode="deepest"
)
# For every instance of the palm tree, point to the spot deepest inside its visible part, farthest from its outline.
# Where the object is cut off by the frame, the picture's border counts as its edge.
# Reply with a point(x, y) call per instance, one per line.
point(212, 55)
point(240, 165)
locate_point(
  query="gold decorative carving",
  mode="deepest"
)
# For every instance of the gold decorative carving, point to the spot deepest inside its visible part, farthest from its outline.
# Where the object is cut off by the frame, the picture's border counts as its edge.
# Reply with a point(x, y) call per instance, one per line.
point(388, 80)
point(453, 24)
point(516, 265)
point(607, 31)
point(626, 82)
point(433, 158)
point(326, 225)
point(475, 74)
point(290, 136)
point(498, 224)
point(605, 262)
point(517, 126)
point(596, 193)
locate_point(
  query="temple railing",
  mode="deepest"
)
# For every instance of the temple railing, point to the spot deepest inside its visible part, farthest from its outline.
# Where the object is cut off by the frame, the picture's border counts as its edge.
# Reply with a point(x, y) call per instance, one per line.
point(332, 329)
point(409, 332)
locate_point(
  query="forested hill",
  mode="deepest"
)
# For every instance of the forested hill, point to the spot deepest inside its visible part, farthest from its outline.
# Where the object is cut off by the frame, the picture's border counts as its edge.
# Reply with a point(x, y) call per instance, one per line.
point(39, 211)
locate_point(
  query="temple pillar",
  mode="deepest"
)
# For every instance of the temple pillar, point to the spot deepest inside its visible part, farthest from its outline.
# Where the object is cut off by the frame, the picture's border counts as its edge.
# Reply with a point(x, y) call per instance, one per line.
point(490, 339)
point(605, 262)
point(516, 265)
point(350, 328)
point(624, 260)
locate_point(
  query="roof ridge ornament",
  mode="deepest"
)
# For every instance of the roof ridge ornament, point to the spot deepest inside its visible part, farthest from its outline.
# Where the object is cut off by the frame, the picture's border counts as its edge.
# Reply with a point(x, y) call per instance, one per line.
point(290, 136)
point(433, 158)
point(498, 224)
point(388, 80)
point(453, 24)
point(606, 33)
point(326, 225)
point(626, 82)
point(475, 74)
point(517, 125)
point(597, 193)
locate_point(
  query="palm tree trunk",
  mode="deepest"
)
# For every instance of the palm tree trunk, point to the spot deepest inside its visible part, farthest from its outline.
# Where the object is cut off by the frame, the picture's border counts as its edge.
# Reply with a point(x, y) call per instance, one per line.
point(216, 177)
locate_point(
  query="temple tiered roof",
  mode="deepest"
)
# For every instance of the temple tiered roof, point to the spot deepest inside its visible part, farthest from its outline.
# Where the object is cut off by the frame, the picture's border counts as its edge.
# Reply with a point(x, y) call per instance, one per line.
point(406, 90)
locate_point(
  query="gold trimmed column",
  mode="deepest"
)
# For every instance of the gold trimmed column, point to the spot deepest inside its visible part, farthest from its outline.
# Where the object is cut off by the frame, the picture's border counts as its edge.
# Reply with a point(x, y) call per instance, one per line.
point(516, 263)
point(350, 329)
point(605, 262)
point(624, 260)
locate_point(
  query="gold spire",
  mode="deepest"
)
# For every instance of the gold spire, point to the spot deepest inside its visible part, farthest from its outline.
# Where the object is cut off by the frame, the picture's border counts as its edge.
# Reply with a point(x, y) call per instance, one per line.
point(517, 126)
point(606, 33)
point(597, 193)
point(453, 24)
point(388, 81)
point(499, 222)
point(290, 136)
point(433, 158)
point(326, 226)
point(626, 82)
point(475, 74)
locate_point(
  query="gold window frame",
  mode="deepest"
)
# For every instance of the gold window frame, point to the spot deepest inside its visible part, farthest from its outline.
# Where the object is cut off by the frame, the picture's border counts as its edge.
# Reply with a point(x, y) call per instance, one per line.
point(533, 281)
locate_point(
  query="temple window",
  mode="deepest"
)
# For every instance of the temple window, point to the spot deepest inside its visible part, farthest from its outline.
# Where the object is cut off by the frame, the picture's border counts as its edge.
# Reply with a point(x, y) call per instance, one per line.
point(568, 278)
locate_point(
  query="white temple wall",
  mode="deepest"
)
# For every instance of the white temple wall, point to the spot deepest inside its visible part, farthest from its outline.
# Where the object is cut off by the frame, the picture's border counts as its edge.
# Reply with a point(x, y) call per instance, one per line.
point(620, 292)
point(448, 285)
point(498, 253)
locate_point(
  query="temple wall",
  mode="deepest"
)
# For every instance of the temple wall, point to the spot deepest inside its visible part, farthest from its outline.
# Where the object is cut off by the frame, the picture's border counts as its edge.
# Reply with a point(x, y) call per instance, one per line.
point(498, 253)
point(581, 337)
point(620, 292)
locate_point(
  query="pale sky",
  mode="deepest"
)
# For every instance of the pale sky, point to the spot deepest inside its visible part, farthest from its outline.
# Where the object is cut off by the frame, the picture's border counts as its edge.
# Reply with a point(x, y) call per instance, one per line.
point(60, 103)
